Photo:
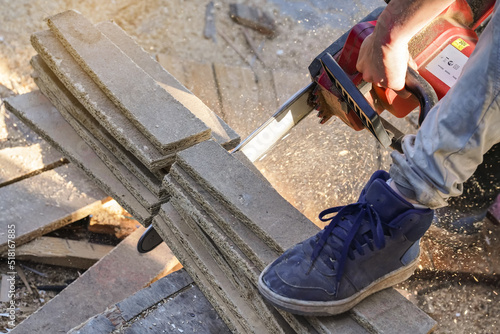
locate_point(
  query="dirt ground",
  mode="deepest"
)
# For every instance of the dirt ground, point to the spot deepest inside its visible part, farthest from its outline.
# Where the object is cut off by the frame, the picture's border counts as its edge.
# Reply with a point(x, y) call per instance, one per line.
point(175, 27)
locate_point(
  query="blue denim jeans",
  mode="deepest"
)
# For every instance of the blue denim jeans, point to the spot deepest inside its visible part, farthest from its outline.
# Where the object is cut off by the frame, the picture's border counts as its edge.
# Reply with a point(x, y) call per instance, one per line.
point(457, 132)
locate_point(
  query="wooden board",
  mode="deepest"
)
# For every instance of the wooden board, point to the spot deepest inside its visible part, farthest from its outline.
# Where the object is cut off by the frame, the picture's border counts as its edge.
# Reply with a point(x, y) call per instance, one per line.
point(62, 252)
point(45, 202)
point(119, 274)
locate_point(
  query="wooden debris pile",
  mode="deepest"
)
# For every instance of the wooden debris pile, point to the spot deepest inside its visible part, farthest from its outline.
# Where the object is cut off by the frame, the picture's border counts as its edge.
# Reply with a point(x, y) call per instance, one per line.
point(121, 117)
point(156, 148)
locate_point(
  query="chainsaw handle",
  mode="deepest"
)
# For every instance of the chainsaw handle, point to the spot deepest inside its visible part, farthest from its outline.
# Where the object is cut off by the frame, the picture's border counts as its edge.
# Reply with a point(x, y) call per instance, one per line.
point(422, 90)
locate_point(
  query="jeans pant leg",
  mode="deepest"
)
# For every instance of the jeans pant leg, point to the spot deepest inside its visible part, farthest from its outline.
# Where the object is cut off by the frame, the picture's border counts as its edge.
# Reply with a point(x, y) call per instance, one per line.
point(462, 127)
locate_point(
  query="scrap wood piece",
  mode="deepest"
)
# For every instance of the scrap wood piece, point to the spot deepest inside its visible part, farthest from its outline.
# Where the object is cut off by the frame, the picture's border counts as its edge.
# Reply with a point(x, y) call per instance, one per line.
point(254, 18)
point(38, 113)
point(120, 273)
point(46, 202)
point(145, 103)
point(62, 252)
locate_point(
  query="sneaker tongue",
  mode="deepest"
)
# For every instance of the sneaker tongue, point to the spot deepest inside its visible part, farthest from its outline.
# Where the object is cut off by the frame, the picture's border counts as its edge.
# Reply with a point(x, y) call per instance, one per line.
point(385, 201)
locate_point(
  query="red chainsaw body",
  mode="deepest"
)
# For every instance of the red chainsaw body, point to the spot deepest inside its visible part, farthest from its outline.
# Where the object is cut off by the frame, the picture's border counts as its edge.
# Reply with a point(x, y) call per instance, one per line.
point(440, 51)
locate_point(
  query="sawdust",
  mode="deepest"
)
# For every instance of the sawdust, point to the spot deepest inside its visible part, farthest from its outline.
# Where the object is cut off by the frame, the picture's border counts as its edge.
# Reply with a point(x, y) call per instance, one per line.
point(175, 28)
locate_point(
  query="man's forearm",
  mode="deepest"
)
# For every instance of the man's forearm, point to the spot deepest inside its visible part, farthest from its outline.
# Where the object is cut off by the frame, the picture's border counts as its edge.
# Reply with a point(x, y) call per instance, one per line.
point(402, 19)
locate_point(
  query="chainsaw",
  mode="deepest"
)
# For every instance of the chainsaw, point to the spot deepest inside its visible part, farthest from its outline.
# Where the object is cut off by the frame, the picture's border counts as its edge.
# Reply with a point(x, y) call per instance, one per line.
point(440, 51)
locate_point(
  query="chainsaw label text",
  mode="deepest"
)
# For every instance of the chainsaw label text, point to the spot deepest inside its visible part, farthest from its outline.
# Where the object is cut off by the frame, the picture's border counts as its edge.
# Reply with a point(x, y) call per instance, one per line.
point(448, 65)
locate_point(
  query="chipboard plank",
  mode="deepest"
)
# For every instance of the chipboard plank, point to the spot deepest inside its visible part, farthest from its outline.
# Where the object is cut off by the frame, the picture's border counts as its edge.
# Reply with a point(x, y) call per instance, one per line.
point(200, 78)
point(146, 104)
point(46, 202)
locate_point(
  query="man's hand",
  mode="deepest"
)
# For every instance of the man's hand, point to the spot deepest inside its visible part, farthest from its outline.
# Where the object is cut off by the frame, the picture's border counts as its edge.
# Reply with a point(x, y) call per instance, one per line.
point(384, 65)
point(384, 56)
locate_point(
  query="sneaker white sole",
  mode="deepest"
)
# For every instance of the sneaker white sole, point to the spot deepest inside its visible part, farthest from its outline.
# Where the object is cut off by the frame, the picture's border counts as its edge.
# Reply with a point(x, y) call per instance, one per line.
point(312, 308)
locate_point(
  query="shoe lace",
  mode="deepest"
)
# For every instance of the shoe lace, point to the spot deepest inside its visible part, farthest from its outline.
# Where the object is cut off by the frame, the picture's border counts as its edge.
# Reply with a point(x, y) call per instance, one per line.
point(347, 234)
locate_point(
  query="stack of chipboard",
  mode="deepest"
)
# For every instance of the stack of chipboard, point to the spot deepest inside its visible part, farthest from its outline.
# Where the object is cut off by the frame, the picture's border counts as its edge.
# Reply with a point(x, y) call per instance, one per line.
point(126, 108)
point(226, 223)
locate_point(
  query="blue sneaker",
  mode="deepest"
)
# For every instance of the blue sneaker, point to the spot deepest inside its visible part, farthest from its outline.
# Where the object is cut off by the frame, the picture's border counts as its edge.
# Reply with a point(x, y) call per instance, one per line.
point(368, 246)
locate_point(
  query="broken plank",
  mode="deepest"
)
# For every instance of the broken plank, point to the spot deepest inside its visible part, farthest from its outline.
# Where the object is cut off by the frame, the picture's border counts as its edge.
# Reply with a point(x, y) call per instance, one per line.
point(62, 252)
point(122, 272)
point(46, 202)
point(112, 219)
point(146, 104)
point(38, 113)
